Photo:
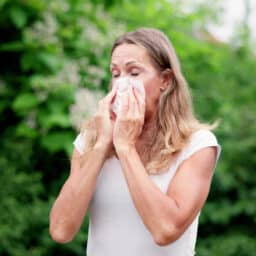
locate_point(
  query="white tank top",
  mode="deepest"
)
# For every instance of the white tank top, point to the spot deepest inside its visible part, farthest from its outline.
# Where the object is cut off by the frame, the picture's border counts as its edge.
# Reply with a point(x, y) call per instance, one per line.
point(116, 228)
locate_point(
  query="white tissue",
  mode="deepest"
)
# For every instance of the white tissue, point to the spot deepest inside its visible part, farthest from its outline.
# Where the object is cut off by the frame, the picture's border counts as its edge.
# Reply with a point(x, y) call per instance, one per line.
point(122, 85)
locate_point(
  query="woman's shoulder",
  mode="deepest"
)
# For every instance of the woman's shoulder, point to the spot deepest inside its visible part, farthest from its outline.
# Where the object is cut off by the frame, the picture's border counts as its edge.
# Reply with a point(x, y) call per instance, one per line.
point(198, 140)
point(86, 137)
point(202, 135)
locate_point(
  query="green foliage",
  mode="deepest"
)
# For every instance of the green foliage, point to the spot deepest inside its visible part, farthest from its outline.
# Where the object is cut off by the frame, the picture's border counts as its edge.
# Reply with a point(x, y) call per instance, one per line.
point(51, 51)
point(229, 244)
point(22, 211)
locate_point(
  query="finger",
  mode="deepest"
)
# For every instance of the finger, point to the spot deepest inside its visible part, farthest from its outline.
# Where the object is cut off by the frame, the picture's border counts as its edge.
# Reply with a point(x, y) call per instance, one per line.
point(140, 100)
point(104, 104)
point(140, 113)
point(110, 96)
point(137, 111)
point(100, 106)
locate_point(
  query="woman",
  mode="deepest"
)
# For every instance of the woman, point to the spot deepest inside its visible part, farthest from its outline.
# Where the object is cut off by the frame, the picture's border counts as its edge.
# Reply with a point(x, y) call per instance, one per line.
point(144, 174)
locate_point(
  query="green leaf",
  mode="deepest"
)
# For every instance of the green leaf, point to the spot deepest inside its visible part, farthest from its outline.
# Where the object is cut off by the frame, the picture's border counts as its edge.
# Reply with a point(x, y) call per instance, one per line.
point(27, 61)
point(24, 102)
point(51, 61)
point(2, 3)
point(18, 16)
point(57, 141)
point(23, 130)
point(49, 120)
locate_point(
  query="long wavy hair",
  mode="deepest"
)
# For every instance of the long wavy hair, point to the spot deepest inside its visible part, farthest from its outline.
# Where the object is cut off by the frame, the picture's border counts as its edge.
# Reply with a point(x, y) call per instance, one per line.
point(175, 119)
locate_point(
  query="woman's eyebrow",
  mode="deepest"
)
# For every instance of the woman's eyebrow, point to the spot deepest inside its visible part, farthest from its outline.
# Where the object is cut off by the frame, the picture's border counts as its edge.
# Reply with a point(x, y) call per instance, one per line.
point(131, 62)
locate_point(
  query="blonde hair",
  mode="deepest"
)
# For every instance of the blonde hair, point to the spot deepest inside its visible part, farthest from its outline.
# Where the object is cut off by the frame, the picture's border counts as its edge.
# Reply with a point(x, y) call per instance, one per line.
point(175, 120)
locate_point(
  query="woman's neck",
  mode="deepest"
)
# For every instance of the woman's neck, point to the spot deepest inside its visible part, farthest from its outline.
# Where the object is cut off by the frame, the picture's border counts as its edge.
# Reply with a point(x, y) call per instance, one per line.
point(148, 135)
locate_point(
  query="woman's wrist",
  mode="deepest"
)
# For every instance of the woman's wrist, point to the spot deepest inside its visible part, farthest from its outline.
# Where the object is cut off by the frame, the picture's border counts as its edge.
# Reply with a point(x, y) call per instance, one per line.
point(102, 146)
point(124, 149)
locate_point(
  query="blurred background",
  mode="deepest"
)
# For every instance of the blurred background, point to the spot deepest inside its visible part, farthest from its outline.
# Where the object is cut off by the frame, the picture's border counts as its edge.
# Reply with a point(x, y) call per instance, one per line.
point(54, 67)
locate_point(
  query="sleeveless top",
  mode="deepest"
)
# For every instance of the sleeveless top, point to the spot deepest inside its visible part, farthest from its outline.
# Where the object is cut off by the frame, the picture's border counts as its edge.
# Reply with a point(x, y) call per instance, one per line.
point(115, 226)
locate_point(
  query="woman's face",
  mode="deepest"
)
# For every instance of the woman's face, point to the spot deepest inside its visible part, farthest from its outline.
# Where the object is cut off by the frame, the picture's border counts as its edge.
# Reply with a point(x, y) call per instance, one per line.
point(133, 61)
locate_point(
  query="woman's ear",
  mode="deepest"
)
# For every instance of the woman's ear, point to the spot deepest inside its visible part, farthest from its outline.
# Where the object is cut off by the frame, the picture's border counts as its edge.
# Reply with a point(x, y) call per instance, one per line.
point(166, 77)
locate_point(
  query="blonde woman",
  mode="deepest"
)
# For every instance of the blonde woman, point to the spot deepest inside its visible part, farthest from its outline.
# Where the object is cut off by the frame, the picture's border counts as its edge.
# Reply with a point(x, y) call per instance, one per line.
point(142, 169)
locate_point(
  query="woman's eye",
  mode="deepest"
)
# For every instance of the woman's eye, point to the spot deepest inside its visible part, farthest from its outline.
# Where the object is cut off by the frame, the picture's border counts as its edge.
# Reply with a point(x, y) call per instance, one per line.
point(115, 74)
point(135, 73)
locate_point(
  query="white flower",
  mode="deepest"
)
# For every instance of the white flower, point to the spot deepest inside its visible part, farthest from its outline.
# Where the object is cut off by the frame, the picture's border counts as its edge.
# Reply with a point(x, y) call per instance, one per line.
point(43, 31)
point(86, 104)
point(70, 73)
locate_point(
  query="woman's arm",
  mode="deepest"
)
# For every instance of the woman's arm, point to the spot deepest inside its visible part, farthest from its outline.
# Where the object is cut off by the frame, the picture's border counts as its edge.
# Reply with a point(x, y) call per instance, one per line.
point(165, 215)
point(70, 207)
point(168, 215)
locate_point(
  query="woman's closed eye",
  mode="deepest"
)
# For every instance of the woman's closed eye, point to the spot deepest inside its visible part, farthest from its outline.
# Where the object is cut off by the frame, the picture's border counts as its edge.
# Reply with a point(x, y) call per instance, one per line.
point(134, 72)
point(115, 74)
point(131, 72)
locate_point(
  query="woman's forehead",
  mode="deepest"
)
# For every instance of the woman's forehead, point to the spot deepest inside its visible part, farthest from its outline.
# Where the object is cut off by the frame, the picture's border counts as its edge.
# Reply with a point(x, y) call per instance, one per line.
point(126, 54)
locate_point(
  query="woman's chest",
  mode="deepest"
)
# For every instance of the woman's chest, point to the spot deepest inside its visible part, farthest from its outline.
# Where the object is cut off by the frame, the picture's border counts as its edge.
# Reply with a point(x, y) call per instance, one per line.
point(112, 186)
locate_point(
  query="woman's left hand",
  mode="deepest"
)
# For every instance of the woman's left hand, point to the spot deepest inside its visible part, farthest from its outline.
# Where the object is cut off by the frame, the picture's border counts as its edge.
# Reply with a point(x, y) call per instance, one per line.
point(130, 120)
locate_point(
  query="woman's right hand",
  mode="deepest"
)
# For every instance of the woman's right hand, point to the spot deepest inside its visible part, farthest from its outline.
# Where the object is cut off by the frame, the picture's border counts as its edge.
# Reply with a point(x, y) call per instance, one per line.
point(103, 122)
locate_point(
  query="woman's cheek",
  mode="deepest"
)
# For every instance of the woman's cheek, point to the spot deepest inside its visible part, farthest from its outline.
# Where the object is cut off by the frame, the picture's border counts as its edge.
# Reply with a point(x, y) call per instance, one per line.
point(152, 92)
point(152, 97)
